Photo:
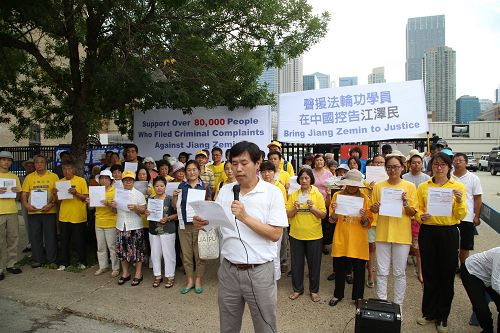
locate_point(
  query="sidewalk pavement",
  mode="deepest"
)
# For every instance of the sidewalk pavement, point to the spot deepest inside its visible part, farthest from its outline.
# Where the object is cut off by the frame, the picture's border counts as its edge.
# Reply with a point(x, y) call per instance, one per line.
point(166, 310)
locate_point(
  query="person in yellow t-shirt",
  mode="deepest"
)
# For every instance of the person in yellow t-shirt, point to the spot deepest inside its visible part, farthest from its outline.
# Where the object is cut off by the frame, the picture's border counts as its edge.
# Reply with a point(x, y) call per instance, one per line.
point(9, 224)
point(393, 235)
point(283, 176)
point(267, 170)
point(217, 168)
point(230, 178)
point(439, 242)
point(42, 220)
point(350, 240)
point(305, 208)
point(283, 165)
point(105, 227)
point(73, 218)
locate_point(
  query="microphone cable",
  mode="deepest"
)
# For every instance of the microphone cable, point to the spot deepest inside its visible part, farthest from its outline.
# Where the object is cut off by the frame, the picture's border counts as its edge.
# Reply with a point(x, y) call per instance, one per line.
point(249, 277)
point(236, 192)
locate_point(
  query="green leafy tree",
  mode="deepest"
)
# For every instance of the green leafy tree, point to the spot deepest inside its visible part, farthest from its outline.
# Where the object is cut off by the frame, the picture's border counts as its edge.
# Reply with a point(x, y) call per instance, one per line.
point(69, 64)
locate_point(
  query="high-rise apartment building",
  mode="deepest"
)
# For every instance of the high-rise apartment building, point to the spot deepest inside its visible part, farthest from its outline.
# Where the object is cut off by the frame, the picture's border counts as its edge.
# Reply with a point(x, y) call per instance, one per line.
point(289, 78)
point(439, 74)
point(422, 33)
point(468, 109)
point(316, 81)
point(497, 95)
point(485, 104)
point(377, 75)
point(348, 81)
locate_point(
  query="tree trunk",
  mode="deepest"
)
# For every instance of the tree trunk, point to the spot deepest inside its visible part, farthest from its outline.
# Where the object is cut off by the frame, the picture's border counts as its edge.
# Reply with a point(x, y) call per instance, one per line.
point(80, 134)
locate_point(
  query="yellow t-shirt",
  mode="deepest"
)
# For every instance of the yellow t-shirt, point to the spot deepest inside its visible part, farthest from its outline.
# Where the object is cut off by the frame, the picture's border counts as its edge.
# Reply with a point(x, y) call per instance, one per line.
point(283, 177)
point(45, 182)
point(104, 216)
point(74, 210)
point(458, 210)
point(289, 167)
point(395, 229)
point(282, 188)
point(8, 205)
point(219, 173)
point(304, 225)
point(351, 238)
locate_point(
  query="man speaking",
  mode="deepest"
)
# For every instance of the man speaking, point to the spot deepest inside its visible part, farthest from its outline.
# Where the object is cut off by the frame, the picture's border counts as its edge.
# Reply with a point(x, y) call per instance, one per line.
point(246, 273)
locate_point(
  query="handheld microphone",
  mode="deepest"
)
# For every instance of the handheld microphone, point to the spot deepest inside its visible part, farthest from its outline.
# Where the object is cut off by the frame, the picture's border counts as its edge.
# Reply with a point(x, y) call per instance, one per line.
point(236, 192)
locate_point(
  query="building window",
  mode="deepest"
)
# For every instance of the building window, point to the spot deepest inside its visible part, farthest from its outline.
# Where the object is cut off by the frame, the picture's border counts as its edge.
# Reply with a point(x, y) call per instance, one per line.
point(488, 134)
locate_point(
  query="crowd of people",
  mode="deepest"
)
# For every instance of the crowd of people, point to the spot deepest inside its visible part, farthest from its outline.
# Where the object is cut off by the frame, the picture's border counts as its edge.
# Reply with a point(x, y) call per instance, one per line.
point(282, 221)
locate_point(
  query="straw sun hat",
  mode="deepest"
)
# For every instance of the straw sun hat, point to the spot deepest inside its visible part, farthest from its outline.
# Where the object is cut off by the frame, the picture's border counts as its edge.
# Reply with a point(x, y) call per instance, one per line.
point(352, 178)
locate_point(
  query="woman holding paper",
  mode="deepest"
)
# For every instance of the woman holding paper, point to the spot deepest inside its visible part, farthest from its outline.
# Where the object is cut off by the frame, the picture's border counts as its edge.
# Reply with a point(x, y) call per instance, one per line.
point(321, 174)
point(350, 210)
point(105, 225)
point(130, 205)
point(305, 208)
point(162, 234)
point(192, 189)
point(394, 203)
point(441, 207)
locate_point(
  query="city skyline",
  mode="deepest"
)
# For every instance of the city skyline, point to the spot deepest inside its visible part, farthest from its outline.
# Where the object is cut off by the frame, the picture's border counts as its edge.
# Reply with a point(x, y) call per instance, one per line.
point(363, 35)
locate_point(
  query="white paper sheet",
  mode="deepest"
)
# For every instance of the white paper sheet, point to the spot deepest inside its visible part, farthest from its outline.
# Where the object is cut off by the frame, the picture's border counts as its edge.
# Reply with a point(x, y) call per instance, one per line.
point(8, 183)
point(62, 190)
point(118, 184)
point(155, 208)
point(391, 202)
point(171, 187)
point(375, 174)
point(97, 194)
point(193, 195)
point(214, 213)
point(38, 198)
point(439, 201)
point(130, 166)
point(303, 198)
point(294, 186)
point(122, 199)
point(141, 186)
point(349, 205)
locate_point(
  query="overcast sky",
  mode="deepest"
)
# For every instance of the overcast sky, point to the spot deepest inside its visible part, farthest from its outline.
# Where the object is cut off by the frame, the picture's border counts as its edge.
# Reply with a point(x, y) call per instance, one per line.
point(365, 34)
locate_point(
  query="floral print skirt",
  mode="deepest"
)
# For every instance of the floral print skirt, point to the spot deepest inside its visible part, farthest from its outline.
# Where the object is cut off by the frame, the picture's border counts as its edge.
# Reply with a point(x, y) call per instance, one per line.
point(130, 245)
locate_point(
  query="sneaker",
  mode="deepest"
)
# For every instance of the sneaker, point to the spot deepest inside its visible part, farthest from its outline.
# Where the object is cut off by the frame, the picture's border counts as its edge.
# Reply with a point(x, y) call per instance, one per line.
point(100, 271)
point(442, 327)
point(115, 273)
point(331, 277)
point(82, 266)
point(27, 248)
point(424, 321)
point(14, 270)
point(61, 268)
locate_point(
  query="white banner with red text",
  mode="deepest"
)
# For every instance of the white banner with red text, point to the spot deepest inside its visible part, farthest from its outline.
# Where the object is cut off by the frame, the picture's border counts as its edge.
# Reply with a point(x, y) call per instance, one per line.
point(166, 131)
point(353, 114)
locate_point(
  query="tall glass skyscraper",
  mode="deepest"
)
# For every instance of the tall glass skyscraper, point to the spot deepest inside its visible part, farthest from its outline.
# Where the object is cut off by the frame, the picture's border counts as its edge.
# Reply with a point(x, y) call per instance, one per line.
point(377, 75)
point(468, 109)
point(348, 81)
point(316, 81)
point(422, 33)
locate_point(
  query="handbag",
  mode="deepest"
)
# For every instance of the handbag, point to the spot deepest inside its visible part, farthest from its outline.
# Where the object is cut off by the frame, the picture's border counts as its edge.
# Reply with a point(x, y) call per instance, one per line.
point(208, 244)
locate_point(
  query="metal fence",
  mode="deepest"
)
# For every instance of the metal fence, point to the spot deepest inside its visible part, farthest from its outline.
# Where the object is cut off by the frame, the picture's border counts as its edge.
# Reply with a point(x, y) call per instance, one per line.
point(295, 152)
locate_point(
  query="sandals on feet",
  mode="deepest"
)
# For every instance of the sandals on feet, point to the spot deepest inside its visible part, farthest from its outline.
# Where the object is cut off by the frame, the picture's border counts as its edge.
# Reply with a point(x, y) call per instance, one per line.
point(170, 282)
point(123, 279)
point(136, 281)
point(157, 281)
point(293, 296)
point(315, 297)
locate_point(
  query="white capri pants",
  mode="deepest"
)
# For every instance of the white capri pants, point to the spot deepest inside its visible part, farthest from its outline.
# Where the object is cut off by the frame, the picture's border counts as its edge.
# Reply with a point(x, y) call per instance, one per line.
point(397, 254)
point(163, 245)
point(106, 239)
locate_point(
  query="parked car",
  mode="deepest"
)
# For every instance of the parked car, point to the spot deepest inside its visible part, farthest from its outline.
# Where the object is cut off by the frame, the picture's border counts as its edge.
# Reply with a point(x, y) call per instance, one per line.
point(472, 163)
point(483, 162)
point(494, 160)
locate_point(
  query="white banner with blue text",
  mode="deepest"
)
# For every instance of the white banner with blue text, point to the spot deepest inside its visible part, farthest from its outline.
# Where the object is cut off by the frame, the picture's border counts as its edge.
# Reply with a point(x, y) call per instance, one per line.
point(166, 131)
point(353, 114)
